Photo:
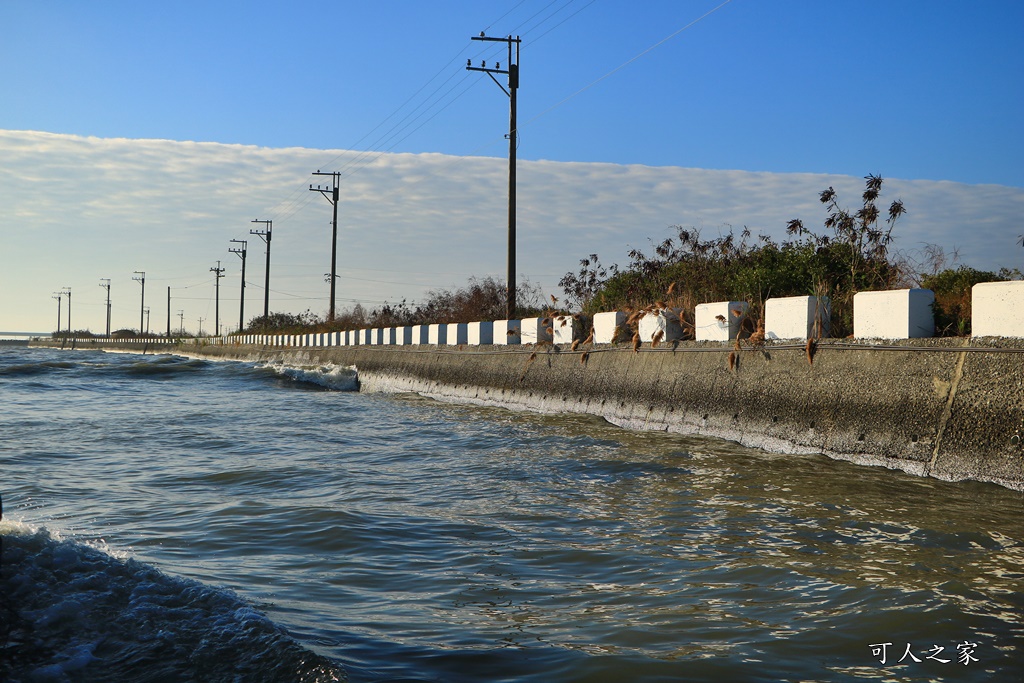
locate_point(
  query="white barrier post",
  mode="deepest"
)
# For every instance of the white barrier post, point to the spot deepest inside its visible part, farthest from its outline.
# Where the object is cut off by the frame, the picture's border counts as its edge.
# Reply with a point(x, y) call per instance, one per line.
point(897, 314)
point(507, 332)
point(665, 321)
point(480, 333)
point(437, 333)
point(718, 321)
point(997, 309)
point(608, 325)
point(534, 330)
point(457, 333)
point(797, 317)
point(565, 329)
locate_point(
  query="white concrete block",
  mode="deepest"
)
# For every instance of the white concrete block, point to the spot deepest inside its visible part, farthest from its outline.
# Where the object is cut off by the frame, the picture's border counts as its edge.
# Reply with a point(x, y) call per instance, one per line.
point(797, 317)
point(606, 324)
point(437, 333)
point(403, 335)
point(480, 333)
point(457, 333)
point(420, 334)
point(507, 332)
point(534, 330)
point(665, 321)
point(719, 321)
point(897, 314)
point(997, 309)
point(565, 329)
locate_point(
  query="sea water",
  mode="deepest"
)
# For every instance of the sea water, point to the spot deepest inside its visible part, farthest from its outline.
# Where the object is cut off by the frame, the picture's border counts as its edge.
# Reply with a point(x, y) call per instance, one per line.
point(177, 519)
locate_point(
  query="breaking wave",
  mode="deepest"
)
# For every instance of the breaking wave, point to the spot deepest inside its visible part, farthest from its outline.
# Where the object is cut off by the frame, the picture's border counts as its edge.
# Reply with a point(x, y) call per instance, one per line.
point(335, 377)
point(73, 612)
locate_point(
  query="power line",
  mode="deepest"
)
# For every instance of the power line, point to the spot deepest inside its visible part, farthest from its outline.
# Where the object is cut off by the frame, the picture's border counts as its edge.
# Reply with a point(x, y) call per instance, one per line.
point(629, 61)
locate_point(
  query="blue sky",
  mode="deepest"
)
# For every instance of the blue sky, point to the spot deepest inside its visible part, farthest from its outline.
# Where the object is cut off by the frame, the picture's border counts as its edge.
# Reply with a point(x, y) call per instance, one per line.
point(788, 95)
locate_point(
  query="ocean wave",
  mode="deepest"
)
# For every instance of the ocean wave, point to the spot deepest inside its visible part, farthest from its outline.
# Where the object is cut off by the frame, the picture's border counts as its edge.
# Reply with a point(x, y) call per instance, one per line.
point(30, 369)
point(330, 376)
point(73, 612)
point(165, 366)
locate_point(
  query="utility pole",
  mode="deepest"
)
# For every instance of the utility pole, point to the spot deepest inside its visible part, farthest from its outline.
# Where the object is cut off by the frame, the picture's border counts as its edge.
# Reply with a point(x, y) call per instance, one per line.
point(142, 307)
point(58, 296)
point(265, 236)
point(331, 194)
point(219, 273)
point(181, 323)
point(168, 312)
point(67, 290)
point(105, 283)
point(513, 138)
point(200, 327)
point(147, 320)
point(241, 305)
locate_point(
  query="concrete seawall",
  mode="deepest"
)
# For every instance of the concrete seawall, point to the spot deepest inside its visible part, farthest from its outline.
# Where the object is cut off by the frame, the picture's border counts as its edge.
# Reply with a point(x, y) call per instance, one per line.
point(946, 408)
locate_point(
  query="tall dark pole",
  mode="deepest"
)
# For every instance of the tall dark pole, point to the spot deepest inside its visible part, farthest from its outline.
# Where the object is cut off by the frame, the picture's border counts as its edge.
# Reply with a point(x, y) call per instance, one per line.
point(67, 290)
point(265, 236)
point(58, 296)
point(106, 285)
point(513, 139)
point(332, 197)
point(168, 312)
point(219, 273)
point(241, 306)
point(142, 307)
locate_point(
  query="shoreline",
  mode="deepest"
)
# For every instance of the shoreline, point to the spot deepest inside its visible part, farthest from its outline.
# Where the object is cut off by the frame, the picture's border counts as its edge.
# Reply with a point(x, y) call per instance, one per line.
point(948, 408)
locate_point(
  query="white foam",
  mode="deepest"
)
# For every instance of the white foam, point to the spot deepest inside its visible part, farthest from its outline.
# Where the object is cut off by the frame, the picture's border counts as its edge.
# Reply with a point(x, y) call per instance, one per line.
point(331, 376)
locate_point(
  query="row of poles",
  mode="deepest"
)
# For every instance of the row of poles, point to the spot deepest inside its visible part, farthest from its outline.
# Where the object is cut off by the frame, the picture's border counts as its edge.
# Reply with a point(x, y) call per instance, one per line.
point(140, 277)
point(331, 194)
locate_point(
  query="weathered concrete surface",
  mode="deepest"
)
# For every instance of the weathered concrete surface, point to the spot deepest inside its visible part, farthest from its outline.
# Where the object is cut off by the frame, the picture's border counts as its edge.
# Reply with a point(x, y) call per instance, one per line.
point(931, 407)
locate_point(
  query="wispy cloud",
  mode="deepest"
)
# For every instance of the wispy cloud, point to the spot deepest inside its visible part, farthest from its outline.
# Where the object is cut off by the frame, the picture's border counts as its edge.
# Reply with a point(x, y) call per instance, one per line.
point(74, 209)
